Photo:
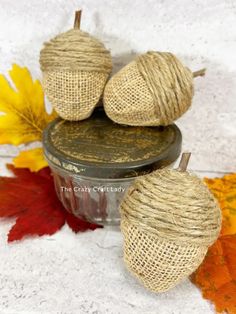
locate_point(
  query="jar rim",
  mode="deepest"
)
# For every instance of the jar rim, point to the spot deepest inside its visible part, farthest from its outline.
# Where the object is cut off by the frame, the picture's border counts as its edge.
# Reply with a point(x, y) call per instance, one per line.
point(111, 170)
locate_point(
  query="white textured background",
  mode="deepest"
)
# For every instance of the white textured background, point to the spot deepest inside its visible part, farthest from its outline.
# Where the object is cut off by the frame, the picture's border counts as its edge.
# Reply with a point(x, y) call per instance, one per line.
point(69, 274)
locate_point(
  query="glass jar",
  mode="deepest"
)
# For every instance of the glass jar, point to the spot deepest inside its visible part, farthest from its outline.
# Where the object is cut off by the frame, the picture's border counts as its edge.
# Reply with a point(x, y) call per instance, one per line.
point(94, 161)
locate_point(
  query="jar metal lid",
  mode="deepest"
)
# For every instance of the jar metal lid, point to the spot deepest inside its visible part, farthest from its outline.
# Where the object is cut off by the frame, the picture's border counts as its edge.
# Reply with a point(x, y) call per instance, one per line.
point(100, 148)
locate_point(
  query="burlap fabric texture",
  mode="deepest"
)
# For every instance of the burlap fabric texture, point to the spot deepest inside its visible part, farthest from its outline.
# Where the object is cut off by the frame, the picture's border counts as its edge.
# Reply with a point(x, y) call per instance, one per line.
point(155, 89)
point(168, 220)
point(75, 69)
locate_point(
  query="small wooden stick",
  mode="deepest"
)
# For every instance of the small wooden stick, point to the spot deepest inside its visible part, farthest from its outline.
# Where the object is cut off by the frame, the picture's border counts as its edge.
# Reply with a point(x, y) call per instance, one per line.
point(77, 19)
point(184, 161)
point(201, 72)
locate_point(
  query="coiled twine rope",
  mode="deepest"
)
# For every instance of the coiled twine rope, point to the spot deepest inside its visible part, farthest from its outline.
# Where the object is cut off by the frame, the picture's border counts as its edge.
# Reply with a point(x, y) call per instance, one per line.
point(155, 89)
point(75, 68)
point(75, 50)
point(168, 219)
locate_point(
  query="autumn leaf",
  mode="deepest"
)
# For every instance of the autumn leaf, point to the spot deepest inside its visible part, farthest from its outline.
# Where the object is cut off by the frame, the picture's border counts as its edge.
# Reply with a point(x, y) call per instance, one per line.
point(32, 159)
point(31, 198)
point(216, 276)
point(224, 189)
point(78, 225)
point(25, 115)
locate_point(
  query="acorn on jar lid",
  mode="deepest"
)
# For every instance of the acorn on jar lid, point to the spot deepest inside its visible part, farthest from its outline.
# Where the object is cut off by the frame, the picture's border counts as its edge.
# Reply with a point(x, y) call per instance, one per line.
point(154, 89)
point(75, 67)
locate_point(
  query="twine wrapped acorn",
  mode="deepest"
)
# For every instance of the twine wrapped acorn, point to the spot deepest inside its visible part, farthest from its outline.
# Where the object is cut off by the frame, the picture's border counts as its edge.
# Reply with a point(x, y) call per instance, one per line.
point(75, 68)
point(155, 89)
point(169, 218)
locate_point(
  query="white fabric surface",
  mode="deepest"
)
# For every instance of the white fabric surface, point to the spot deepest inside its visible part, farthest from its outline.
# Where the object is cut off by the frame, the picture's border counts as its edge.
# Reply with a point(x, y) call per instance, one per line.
point(84, 273)
point(78, 274)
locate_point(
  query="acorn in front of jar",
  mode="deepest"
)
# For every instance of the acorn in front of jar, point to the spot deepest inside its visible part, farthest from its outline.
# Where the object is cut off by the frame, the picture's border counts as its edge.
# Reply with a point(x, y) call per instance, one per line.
point(169, 218)
point(75, 67)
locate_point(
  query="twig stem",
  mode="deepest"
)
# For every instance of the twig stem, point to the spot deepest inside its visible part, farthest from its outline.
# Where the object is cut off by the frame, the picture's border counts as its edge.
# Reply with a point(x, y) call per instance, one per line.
point(199, 72)
point(184, 161)
point(77, 19)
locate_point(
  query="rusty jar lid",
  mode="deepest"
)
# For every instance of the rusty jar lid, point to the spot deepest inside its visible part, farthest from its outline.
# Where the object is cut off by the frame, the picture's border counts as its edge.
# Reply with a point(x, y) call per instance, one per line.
point(100, 148)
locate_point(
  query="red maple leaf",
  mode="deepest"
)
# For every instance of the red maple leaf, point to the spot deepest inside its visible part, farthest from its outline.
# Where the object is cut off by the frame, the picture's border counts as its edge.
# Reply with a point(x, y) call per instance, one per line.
point(32, 199)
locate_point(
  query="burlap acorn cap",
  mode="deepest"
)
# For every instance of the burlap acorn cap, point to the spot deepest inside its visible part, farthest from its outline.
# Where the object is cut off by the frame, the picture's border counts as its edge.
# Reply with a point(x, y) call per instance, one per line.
point(155, 89)
point(169, 219)
point(75, 69)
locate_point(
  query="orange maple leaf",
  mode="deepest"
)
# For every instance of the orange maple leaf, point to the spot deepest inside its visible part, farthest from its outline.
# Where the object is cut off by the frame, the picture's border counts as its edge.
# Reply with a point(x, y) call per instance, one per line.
point(216, 276)
point(224, 190)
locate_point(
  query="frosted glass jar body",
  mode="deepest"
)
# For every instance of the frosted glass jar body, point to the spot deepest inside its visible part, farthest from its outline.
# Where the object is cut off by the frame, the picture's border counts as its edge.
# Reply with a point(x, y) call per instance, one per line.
point(92, 199)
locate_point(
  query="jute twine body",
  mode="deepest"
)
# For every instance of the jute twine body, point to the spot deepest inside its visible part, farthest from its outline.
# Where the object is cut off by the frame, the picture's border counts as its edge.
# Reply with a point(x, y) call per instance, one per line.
point(75, 69)
point(153, 90)
point(168, 219)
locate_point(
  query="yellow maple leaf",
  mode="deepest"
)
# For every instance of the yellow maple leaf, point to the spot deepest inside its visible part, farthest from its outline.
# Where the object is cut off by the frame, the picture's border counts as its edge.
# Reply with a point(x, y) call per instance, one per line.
point(25, 115)
point(32, 159)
